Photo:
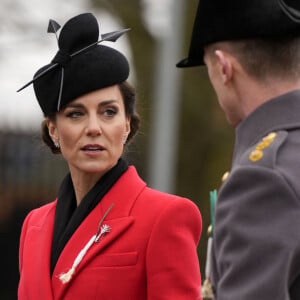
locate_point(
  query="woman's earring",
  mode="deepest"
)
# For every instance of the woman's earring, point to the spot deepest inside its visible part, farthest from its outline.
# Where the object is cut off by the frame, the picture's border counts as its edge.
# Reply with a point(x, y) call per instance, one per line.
point(56, 144)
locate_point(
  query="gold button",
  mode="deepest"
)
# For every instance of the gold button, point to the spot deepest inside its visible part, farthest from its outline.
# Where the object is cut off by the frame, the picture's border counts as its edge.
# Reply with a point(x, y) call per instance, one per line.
point(225, 176)
point(256, 155)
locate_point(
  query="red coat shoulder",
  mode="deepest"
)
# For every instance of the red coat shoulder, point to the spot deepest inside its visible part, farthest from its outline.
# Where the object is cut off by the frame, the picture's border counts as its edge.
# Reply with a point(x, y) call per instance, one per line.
point(39, 215)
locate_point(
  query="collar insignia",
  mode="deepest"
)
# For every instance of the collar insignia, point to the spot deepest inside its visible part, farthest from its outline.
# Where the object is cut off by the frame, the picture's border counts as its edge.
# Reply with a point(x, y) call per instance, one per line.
point(258, 153)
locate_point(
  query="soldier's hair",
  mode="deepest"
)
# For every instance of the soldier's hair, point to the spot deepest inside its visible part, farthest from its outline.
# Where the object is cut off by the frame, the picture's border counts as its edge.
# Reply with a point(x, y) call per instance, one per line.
point(262, 58)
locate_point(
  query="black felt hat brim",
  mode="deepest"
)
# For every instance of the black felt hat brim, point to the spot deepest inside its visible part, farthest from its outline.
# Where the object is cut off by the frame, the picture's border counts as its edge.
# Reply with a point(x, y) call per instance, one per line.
point(219, 20)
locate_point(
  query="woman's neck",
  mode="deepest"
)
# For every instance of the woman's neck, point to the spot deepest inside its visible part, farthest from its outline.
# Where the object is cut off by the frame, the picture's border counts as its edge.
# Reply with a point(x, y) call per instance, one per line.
point(83, 183)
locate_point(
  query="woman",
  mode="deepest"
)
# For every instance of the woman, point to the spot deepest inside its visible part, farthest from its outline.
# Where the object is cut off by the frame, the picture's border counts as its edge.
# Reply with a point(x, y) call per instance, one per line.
point(107, 235)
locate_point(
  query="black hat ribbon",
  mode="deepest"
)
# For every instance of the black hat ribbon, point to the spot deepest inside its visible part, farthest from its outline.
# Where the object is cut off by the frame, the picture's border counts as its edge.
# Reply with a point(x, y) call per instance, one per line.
point(291, 12)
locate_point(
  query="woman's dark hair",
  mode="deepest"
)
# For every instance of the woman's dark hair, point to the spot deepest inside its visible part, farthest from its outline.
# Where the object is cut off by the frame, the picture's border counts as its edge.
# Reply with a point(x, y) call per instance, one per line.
point(129, 97)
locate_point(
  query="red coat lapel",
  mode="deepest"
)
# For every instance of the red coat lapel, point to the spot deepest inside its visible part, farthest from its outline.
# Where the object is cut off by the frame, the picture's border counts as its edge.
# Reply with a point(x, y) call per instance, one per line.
point(123, 194)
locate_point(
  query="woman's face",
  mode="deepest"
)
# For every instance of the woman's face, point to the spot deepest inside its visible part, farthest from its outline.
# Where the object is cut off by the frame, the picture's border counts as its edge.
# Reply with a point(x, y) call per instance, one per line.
point(92, 130)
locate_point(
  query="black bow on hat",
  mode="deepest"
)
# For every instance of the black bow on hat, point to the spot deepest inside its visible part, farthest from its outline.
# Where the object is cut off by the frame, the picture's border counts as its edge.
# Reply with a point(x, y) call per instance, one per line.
point(80, 66)
point(219, 20)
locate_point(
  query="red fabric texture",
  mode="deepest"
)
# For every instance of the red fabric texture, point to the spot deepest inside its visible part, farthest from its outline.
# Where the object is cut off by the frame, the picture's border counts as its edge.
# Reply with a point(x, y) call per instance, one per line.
point(150, 252)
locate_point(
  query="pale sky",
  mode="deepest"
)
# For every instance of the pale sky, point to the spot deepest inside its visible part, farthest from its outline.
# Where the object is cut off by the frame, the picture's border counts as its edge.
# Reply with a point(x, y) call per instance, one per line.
point(25, 46)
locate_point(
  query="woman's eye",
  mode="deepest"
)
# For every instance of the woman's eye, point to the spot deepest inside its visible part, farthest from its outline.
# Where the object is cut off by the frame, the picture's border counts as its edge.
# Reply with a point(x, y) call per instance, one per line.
point(74, 114)
point(110, 112)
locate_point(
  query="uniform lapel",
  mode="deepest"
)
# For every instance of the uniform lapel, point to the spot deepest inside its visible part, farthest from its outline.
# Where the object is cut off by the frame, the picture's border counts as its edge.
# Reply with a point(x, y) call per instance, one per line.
point(122, 195)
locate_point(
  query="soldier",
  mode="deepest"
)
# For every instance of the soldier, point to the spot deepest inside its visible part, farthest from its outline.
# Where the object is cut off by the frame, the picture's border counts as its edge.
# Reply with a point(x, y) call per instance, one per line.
point(252, 52)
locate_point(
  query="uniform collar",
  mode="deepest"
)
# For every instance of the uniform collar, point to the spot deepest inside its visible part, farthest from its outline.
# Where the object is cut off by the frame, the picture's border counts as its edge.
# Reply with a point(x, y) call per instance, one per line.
point(278, 113)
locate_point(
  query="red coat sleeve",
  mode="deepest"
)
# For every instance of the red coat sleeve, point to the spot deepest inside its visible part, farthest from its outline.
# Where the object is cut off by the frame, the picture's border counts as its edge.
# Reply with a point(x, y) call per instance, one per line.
point(172, 264)
point(22, 239)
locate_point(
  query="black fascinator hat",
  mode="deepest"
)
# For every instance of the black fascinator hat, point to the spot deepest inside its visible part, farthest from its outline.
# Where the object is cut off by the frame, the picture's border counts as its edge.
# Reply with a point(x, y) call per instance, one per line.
point(80, 66)
point(221, 20)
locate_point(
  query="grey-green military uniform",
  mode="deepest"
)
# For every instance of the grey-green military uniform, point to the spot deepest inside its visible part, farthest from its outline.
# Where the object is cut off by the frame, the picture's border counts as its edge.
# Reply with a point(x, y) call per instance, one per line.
point(256, 248)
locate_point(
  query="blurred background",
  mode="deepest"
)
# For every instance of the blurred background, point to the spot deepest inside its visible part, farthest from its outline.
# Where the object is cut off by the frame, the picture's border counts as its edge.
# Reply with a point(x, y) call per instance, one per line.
point(184, 145)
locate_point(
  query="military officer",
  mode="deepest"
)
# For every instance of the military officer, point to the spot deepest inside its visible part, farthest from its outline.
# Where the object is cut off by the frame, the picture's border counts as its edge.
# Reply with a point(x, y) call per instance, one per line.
point(252, 52)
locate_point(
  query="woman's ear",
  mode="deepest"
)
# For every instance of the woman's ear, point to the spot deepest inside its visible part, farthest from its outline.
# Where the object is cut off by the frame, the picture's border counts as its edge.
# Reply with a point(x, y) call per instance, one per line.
point(127, 126)
point(127, 129)
point(52, 130)
point(225, 65)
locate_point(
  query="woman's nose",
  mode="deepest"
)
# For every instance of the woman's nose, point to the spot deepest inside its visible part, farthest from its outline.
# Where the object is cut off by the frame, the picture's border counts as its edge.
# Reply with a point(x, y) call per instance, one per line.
point(93, 127)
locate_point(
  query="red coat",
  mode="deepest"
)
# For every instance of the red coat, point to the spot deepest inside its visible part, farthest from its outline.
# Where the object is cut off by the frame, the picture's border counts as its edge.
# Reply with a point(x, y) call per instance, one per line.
point(150, 252)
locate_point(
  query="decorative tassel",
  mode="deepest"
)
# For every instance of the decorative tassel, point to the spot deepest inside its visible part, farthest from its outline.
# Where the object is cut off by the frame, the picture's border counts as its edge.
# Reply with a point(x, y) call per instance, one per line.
point(102, 229)
point(66, 277)
point(207, 292)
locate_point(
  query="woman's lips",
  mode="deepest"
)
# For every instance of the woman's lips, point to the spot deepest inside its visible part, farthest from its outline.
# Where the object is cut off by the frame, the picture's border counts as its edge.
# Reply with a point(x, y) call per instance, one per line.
point(92, 148)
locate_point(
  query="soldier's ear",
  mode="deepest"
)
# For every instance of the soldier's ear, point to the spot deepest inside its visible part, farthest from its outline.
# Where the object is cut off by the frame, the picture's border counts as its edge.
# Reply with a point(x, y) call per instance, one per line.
point(224, 65)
